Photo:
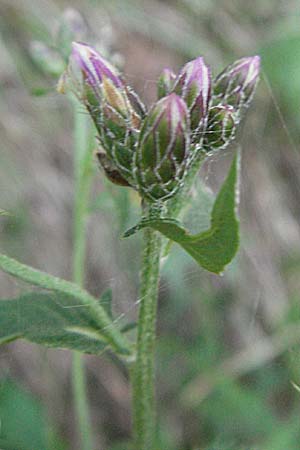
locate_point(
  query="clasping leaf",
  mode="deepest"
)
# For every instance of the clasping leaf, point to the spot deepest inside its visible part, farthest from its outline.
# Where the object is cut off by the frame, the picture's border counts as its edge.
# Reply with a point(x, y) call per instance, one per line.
point(214, 248)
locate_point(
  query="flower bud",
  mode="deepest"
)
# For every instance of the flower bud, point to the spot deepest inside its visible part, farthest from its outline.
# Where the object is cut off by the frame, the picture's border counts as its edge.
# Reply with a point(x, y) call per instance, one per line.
point(99, 87)
point(163, 151)
point(235, 86)
point(193, 84)
point(165, 83)
point(220, 129)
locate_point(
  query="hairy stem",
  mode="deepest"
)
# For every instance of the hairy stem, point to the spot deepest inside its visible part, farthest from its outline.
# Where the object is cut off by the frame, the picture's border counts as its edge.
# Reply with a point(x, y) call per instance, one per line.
point(82, 172)
point(143, 371)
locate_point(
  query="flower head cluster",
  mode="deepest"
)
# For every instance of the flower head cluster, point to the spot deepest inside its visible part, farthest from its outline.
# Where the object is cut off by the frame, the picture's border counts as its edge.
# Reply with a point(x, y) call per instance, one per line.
point(153, 151)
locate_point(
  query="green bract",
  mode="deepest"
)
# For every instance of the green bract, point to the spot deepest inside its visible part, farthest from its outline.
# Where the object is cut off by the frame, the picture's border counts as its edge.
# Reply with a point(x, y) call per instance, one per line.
point(165, 83)
point(220, 129)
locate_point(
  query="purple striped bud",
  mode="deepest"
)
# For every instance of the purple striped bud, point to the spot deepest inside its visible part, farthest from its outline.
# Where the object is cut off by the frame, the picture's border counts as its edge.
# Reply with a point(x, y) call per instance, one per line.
point(165, 83)
point(220, 129)
point(235, 86)
point(163, 151)
point(98, 85)
point(193, 84)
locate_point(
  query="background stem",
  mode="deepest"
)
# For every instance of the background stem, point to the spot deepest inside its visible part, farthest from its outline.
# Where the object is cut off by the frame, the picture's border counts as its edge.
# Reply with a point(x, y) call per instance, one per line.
point(143, 371)
point(82, 181)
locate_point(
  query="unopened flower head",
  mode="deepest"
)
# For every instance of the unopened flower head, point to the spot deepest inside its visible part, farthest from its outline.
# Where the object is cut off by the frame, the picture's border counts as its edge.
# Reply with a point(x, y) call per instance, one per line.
point(88, 71)
point(98, 85)
point(235, 86)
point(163, 151)
point(165, 83)
point(193, 84)
point(220, 128)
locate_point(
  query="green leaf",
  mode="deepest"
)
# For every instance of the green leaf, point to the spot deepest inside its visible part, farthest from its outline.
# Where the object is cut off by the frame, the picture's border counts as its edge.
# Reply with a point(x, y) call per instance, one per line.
point(148, 222)
point(24, 422)
point(128, 327)
point(51, 319)
point(106, 302)
point(71, 290)
point(214, 248)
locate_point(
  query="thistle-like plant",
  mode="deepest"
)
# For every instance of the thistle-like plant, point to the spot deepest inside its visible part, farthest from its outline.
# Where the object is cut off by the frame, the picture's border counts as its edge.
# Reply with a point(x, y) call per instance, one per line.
point(158, 154)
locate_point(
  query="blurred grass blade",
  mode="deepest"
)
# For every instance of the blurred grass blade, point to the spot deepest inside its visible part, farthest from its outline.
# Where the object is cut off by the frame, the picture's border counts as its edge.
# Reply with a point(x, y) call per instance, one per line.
point(213, 249)
point(3, 212)
point(46, 281)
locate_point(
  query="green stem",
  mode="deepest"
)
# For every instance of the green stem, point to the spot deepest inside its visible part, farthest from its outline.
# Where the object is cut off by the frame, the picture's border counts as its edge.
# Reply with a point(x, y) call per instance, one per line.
point(82, 172)
point(143, 371)
point(81, 403)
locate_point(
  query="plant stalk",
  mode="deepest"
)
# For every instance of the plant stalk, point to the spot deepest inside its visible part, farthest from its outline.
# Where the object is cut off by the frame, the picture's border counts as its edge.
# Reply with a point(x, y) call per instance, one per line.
point(143, 376)
point(82, 175)
point(143, 371)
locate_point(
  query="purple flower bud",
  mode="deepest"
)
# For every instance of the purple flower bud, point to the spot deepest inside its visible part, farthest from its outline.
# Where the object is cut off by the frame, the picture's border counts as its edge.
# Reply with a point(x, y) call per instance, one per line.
point(235, 86)
point(163, 151)
point(165, 83)
point(220, 129)
point(193, 84)
point(98, 85)
point(88, 72)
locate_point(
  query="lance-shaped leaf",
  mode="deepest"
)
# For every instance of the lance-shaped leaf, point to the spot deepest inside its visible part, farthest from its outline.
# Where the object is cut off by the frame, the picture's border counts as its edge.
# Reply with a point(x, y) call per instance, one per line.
point(213, 249)
point(52, 319)
point(66, 289)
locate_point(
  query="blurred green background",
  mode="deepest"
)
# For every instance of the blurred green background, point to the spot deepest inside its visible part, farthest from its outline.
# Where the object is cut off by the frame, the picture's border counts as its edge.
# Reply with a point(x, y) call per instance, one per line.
point(228, 347)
